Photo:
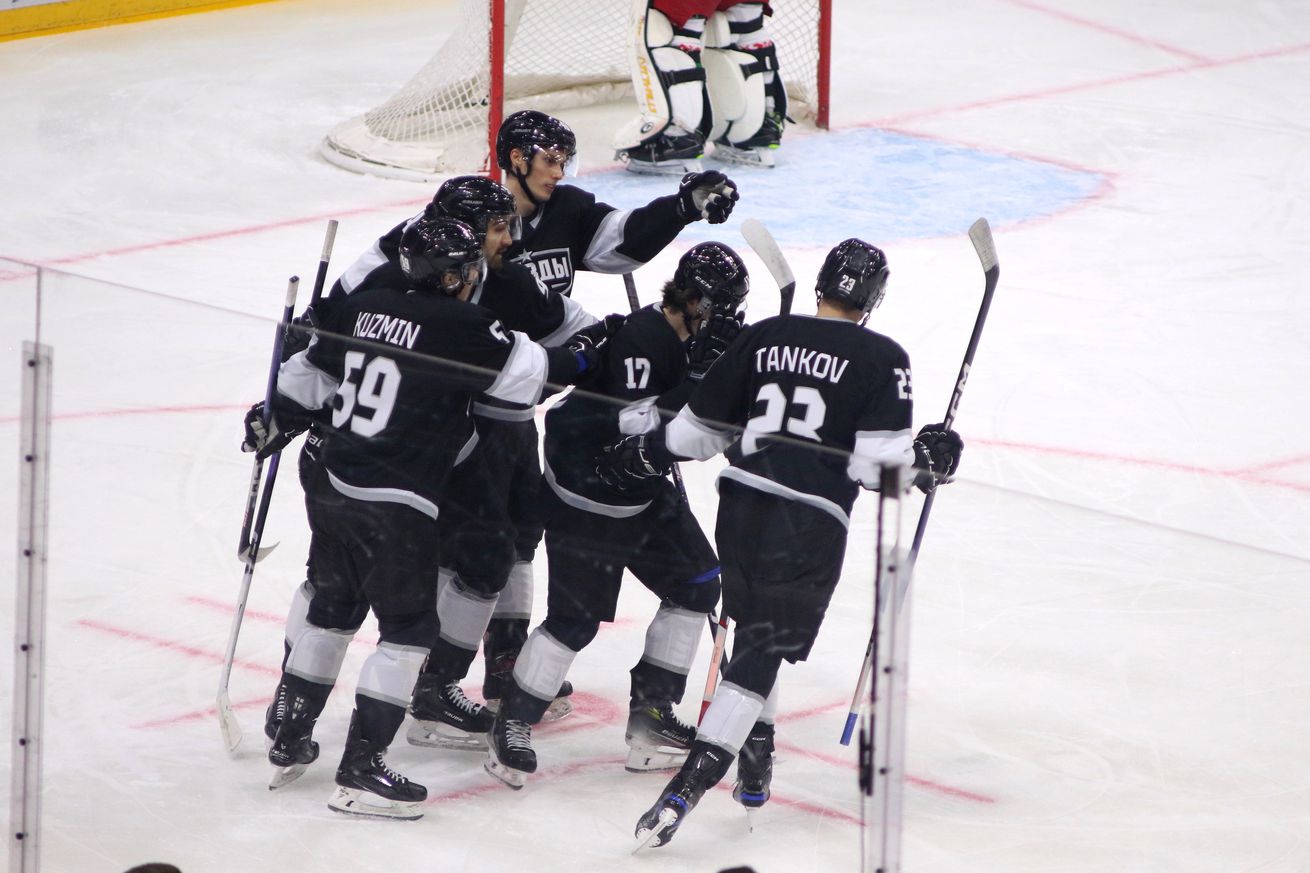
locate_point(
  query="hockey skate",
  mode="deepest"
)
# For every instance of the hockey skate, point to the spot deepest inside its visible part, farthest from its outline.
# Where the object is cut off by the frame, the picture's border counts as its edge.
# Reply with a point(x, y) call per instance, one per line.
point(702, 772)
point(510, 757)
point(755, 772)
point(669, 154)
point(444, 718)
point(657, 740)
point(758, 151)
point(288, 731)
point(367, 787)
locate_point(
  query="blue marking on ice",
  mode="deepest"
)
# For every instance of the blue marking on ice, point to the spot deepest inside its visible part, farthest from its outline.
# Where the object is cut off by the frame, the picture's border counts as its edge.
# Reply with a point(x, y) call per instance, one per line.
point(873, 184)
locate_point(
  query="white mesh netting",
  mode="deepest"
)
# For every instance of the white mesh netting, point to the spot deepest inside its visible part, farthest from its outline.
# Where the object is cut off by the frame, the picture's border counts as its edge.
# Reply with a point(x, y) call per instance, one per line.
point(558, 53)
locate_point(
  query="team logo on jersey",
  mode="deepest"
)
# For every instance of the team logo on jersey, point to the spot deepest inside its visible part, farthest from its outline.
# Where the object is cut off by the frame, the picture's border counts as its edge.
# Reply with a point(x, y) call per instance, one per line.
point(552, 267)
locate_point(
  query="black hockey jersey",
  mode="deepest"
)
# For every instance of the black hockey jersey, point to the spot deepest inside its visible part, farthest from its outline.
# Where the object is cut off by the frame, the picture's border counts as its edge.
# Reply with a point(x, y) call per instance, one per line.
point(513, 294)
point(645, 372)
point(572, 231)
point(400, 370)
point(818, 403)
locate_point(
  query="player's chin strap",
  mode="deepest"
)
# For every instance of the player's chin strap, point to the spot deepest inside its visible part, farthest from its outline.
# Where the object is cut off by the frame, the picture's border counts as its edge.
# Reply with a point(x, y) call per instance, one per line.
point(523, 179)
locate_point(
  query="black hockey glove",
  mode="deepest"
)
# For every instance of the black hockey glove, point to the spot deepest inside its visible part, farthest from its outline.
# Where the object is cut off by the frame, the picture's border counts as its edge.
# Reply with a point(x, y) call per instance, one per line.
point(295, 339)
point(264, 438)
point(587, 344)
point(936, 456)
point(634, 459)
point(709, 195)
point(711, 341)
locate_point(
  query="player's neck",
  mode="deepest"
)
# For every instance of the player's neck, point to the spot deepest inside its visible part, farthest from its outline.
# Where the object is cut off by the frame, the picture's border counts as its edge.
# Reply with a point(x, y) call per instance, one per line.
point(828, 309)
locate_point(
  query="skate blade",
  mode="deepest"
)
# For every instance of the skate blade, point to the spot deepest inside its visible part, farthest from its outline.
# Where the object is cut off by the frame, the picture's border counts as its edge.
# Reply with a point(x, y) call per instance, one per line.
point(765, 158)
point(559, 708)
point(647, 759)
point(365, 804)
point(439, 735)
point(284, 776)
point(750, 819)
point(679, 167)
point(515, 779)
point(654, 838)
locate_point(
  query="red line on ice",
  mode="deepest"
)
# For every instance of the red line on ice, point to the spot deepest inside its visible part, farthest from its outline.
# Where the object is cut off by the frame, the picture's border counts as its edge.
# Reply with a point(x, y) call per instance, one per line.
point(1105, 28)
point(170, 645)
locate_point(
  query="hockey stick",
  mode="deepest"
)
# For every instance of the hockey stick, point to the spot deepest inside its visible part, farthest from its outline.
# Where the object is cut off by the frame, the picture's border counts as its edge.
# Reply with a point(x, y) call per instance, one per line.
point(757, 236)
point(319, 279)
point(980, 234)
point(227, 719)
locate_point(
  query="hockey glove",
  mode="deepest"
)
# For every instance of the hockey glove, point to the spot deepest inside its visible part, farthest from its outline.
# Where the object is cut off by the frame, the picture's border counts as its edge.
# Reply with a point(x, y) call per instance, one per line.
point(936, 456)
point(709, 195)
point(634, 459)
point(711, 341)
point(264, 437)
point(298, 333)
point(588, 343)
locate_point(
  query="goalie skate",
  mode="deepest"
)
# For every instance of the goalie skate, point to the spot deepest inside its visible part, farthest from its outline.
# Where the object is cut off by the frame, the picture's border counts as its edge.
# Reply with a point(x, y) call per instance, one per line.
point(665, 155)
point(763, 157)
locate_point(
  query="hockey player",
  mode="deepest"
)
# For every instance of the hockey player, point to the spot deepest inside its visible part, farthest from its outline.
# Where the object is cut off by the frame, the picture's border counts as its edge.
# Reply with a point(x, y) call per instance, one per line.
point(788, 389)
point(479, 533)
point(565, 229)
point(397, 365)
point(595, 531)
point(703, 70)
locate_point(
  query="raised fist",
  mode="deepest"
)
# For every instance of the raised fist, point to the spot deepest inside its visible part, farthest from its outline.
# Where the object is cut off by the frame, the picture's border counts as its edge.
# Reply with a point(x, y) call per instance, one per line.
point(937, 455)
point(587, 344)
point(709, 195)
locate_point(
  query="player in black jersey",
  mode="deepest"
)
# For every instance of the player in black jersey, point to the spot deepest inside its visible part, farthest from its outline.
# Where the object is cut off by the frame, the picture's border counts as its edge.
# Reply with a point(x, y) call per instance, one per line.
point(398, 367)
point(484, 546)
point(595, 531)
point(565, 229)
point(807, 409)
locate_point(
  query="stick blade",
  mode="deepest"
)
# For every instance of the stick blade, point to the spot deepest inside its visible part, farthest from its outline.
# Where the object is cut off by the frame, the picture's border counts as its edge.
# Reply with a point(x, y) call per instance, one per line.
point(227, 721)
point(757, 236)
point(980, 234)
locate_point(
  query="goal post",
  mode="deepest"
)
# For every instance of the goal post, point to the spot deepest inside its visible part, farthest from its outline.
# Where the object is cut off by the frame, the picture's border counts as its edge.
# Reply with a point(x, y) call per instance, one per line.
point(507, 55)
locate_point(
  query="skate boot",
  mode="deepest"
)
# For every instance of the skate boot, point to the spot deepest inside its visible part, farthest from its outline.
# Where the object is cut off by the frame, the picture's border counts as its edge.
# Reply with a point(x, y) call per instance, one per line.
point(277, 710)
point(755, 771)
point(704, 768)
point(657, 739)
point(672, 153)
point(757, 151)
point(291, 749)
point(367, 787)
point(510, 757)
point(444, 718)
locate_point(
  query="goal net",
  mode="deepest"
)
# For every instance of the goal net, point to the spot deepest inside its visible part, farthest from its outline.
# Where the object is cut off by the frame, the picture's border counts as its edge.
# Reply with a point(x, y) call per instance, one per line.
point(553, 54)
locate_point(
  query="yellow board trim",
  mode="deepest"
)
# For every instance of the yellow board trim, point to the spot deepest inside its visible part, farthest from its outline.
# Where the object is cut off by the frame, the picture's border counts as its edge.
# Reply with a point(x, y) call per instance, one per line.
point(70, 15)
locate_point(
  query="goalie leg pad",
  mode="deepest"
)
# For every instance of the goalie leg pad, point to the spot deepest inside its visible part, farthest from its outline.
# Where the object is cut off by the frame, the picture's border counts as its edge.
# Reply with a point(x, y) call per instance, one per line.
point(736, 88)
point(667, 80)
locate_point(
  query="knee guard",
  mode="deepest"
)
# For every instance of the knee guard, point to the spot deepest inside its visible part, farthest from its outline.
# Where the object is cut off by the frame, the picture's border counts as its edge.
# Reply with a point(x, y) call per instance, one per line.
point(542, 666)
point(515, 600)
point(667, 79)
point(462, 615)
point(741, 74)
point(673, 637)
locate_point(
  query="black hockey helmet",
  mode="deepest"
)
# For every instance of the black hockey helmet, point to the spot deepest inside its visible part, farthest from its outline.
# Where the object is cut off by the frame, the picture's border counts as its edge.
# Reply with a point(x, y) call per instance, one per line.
point(440, 254)
point(715, 273)
point(854, 273)
point(475, 200)
point(530, 130)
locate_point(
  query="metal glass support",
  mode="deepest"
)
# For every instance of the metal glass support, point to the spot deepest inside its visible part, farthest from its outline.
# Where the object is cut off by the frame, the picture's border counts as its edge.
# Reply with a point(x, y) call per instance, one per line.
point(29, 614)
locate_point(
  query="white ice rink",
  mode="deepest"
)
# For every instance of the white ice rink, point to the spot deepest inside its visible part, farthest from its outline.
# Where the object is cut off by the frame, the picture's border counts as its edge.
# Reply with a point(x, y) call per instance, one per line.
point(1111, 641)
